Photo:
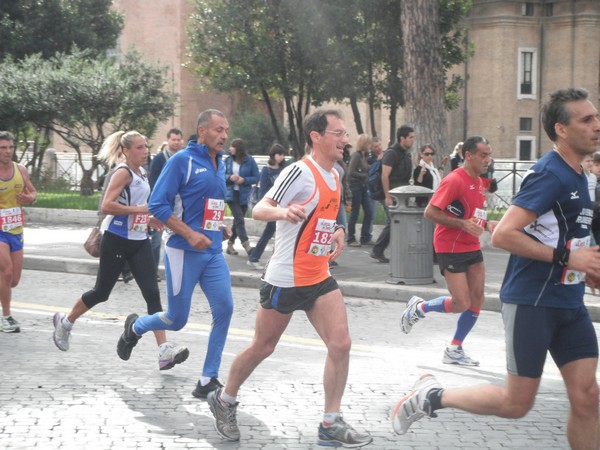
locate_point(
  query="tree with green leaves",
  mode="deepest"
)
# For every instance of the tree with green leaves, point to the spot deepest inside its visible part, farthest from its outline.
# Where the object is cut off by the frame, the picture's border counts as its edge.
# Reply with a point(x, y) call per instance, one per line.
point(57, 26)
point(431, 46)
point(84, 99)
point(306, 53)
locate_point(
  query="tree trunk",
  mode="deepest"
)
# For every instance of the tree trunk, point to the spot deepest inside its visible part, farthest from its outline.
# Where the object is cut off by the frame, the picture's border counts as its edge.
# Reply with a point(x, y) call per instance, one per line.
point(356, 114)
point(424, 82)
point(272, 115)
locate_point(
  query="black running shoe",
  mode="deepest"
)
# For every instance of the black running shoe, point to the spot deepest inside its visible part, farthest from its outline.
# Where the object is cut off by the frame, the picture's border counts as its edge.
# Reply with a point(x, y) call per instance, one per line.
point(201, 392)
point(128, 339)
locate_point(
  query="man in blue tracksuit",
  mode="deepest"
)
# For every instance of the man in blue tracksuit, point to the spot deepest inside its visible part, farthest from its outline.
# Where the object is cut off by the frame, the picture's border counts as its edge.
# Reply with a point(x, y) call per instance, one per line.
point(189, 198)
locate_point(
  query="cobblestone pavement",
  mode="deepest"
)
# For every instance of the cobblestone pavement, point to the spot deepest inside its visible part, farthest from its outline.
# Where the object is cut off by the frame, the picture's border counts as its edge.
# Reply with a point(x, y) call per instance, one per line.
point(87, 398)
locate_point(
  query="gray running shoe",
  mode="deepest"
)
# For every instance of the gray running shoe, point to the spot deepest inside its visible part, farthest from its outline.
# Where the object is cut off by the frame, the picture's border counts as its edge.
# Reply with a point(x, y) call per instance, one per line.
point(415, 405)
point(62, 336)
point(10, 325)
point(171, 355)
point(225, 420)
point(340, 434)
point(458, 356)
point(411, 314)
point(128, 339)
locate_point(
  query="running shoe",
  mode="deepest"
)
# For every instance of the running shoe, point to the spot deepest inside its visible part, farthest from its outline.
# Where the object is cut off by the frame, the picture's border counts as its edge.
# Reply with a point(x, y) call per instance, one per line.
point(255, 265)
point(224, 414)
point(458, 356)
point(340, 434)
point(10, 325)
point(202, 392)
point(411, 314)
point(415, 405)
point(128, 339)
point(61, 336)
point(171, 354)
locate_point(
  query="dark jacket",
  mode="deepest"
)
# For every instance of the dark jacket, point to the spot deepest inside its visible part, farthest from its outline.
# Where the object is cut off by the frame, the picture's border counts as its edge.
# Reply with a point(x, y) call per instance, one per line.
point(400, 161)
point(248, 171)
point(358, 170)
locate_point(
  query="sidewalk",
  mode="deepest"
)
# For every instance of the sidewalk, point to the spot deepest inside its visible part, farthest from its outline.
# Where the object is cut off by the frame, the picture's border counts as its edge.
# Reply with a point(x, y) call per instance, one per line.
point(54, 242)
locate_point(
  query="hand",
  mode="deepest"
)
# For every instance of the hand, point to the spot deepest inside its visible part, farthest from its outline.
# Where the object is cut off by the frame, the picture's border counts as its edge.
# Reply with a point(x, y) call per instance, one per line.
point(586, 259)
point(156, 224)
point(337, 244)
point(491, 225)
point(198, 240)
point(472, 227)
point(389, 201)
point(233, 178)
point(226, 232)
point(295, 214)
point(240, 180)
point(25, 199)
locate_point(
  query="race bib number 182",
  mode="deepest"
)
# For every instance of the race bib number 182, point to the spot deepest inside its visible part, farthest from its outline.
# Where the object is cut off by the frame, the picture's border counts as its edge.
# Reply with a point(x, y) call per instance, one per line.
point(322, 237)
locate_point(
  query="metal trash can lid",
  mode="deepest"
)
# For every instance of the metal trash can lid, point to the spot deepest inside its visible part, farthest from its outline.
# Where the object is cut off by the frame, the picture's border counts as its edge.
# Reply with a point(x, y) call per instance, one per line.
point(411, 190)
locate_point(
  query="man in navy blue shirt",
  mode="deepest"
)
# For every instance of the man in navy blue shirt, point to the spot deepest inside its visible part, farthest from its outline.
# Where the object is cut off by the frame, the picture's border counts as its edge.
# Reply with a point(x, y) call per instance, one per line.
point(547, 232)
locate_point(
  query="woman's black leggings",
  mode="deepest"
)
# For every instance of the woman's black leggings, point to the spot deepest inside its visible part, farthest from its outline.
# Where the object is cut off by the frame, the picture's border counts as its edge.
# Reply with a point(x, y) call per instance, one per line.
point(114, 252)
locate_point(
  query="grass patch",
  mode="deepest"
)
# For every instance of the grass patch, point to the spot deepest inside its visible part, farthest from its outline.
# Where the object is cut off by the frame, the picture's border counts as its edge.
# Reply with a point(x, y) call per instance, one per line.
point(62, 199)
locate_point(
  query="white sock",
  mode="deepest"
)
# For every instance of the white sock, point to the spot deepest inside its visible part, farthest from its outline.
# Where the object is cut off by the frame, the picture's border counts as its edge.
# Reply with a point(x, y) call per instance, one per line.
point(68, 325)
point(331, 417)
point(227, 398)
point(204, 380)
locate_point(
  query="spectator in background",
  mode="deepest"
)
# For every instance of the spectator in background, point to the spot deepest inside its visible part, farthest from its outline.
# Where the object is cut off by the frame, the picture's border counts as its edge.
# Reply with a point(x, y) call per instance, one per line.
point(347, 153)
point(172, 145)
point(376, 154)
point(241, 172)
point(346, 203)
point(456, 159)
point(426, 174)
point(358, 172)
point(268, 175)
point(396, 170)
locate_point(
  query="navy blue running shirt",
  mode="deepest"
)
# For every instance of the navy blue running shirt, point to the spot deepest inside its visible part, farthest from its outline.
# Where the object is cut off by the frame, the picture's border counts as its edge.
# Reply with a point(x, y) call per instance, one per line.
point(560, 198)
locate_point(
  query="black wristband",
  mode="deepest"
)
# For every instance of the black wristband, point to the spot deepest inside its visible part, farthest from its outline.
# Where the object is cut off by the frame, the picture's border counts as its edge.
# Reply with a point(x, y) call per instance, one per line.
point(560, 256)
point(337, 227)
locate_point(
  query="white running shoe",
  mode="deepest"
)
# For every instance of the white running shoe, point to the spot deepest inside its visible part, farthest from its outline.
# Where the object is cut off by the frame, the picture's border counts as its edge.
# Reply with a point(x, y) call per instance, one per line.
point(458, 356)
point(9, 325)
point(171, 354)
point(255, 265)
point(411, 314)
point(415, 405)
point(61, 336)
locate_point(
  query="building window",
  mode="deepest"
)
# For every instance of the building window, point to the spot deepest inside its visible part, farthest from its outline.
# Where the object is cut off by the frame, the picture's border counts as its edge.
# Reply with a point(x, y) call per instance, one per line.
point(527, 73)
point(548, 10)
point(527, 9)
point(525, 124)
point(525, 148)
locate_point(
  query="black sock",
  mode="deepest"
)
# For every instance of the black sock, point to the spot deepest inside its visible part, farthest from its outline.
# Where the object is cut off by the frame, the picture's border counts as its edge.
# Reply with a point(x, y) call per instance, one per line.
point(435, 399)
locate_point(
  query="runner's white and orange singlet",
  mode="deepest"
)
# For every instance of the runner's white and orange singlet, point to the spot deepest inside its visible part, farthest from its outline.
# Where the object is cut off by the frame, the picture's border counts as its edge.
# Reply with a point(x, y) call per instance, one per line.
point(302, 249)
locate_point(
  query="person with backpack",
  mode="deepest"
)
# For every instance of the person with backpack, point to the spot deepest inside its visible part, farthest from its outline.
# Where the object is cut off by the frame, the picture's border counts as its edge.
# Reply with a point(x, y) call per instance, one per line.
point(172, 145)
point(268, 175)
point(396, 170)
point(358, 177)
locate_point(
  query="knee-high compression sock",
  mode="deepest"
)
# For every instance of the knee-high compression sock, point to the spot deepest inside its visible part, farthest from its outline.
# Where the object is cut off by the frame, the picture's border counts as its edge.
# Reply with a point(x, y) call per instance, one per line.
point(466, 322)
point(438, 304)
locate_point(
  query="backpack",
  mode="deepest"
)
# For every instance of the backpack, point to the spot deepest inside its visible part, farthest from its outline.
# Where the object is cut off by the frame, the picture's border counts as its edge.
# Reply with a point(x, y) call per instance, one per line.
point(374, 181)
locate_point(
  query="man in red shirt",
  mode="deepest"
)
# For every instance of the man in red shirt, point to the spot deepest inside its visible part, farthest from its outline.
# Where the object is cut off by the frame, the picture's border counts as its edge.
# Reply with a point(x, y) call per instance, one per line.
point(457, 209)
